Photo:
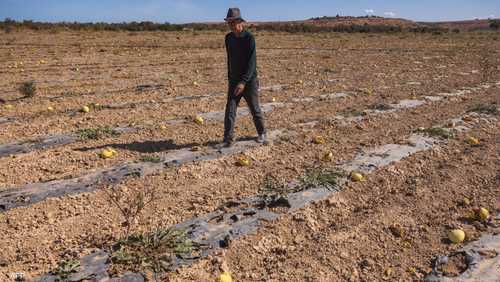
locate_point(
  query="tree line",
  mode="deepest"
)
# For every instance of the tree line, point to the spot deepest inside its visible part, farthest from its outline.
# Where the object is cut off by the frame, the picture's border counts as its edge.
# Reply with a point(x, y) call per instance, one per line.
point(292, 27)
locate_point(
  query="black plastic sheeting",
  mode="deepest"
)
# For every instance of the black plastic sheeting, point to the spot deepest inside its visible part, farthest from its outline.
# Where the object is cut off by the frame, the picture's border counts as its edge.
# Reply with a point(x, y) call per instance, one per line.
point(482, 258)
point(47, 142)
point(35, 192)
point(210, 232)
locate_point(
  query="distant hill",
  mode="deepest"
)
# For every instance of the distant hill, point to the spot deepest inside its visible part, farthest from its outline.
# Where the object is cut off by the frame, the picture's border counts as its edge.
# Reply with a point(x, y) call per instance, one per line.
point(404, 24)
point(366, 20)
point(469, 25)
point(345, 21)
point(466, 25)
point(320, 24)
point(344, 24)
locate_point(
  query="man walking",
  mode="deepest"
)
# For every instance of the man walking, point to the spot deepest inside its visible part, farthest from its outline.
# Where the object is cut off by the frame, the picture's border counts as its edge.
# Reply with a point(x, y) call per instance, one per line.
point(242, 77)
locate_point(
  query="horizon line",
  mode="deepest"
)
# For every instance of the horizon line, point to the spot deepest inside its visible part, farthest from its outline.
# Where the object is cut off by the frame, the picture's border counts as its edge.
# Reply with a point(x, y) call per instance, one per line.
point(249, 21)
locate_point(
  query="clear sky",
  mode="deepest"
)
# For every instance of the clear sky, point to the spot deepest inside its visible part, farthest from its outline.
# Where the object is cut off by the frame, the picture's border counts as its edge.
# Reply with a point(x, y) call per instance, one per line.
point(182, 11)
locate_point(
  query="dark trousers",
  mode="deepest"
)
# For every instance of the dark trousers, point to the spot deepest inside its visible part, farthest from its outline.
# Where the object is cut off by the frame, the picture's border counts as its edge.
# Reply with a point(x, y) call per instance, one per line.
point(251, 96)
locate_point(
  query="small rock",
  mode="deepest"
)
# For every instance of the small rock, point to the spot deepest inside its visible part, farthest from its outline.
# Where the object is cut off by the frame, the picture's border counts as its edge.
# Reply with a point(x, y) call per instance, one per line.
point(4, 262)
point(397, 230)
point(366, 263)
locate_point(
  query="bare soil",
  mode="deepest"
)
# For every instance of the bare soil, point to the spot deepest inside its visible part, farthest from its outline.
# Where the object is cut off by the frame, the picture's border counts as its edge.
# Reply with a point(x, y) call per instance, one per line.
point(387, 228)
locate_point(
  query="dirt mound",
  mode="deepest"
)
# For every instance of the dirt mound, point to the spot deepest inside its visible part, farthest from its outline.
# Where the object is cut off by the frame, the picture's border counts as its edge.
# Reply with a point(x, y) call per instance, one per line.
point(335, 21)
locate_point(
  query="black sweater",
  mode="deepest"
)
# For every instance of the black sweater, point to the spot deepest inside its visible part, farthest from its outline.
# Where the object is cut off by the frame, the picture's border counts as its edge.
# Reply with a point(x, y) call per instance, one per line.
point(241, 58)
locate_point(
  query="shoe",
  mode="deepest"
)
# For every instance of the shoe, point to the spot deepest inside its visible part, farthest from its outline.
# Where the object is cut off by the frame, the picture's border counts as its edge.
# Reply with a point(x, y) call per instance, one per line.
point(262, 139)
point(227, 144)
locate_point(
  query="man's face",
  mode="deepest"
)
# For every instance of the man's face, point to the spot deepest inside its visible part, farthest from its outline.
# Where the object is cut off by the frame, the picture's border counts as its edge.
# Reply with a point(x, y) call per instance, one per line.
point(235, 26)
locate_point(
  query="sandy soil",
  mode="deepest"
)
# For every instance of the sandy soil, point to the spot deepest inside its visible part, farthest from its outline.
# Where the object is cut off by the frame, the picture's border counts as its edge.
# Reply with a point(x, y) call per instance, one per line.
point(347, 237)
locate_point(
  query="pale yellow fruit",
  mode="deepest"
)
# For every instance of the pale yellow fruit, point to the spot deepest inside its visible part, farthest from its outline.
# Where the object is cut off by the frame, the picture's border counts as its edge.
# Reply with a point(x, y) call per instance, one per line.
point(328, 157)
point(483, 214)
point(466, 201)
point(195, 83)
point(225, 277)
point(456, 236)
point(367, 91)
point(300, 81)
point(199, 120)
point(357, 177)
point(388, 272)
point(106, 154)
point(163, 127)
point(318, 140)
point(472, 141)
point(8, 106)
point(412, 270)
point(113, 151)
point(244, 161)
point(273, 99)
point(50, 109)
point(85, 109)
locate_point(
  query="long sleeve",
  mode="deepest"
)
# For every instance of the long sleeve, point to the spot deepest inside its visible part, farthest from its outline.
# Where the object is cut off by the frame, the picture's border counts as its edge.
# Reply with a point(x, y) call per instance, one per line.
point(228, 59)
point(252, 62)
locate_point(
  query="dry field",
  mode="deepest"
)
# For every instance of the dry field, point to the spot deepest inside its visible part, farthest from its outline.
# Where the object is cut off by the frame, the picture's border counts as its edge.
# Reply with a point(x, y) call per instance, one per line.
point(390, 226)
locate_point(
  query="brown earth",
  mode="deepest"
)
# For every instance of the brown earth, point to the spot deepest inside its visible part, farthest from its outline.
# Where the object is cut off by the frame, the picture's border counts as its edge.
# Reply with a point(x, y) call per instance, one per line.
point(343, 238)
point(387, 228)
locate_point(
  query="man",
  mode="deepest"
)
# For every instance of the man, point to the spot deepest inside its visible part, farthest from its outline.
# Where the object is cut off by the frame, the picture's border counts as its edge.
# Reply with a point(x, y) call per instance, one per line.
point(242, 77)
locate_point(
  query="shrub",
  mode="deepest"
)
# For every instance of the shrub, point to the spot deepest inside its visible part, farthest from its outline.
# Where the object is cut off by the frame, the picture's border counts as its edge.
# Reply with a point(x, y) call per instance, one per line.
point(130, 203)
point(156, 251)
point(97, 133)
point(495, 24)
point(28, 89)
point(437, 132)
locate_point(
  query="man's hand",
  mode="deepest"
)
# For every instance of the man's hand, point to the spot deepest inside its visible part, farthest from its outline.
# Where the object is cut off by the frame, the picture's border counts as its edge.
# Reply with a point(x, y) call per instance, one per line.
point(239, 89)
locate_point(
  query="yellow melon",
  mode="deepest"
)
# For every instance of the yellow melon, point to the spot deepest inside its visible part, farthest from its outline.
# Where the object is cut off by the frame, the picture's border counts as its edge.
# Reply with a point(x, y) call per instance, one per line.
point(199, 120)
point(225, 277)
point(85, 109)
point(456, 236)
point(244, 161)
point(318, 140)
point(357, 177)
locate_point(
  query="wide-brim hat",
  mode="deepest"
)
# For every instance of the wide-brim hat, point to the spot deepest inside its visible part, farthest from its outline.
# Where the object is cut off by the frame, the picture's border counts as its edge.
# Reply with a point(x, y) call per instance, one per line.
point(234, 14)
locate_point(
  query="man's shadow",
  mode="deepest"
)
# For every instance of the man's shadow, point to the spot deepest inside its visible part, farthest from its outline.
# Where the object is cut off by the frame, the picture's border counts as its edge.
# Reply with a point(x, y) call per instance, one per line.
point(17, 99)
point(157, 146)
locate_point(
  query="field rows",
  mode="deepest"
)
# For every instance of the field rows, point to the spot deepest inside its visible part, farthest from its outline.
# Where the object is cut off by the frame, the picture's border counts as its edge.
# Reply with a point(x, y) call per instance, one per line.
point(89, 152)
point(390, 87)
point(210, 237)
